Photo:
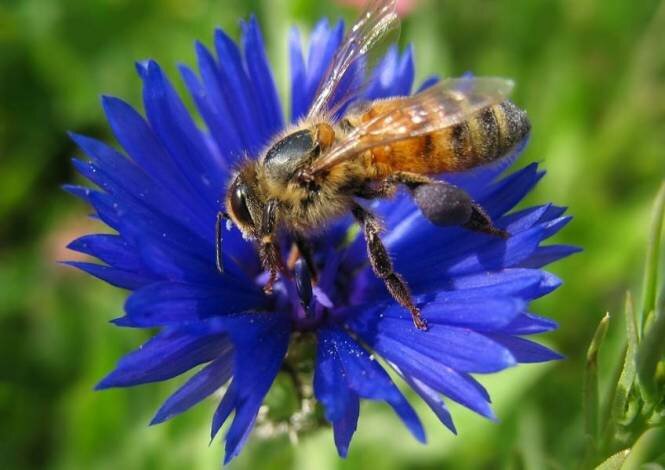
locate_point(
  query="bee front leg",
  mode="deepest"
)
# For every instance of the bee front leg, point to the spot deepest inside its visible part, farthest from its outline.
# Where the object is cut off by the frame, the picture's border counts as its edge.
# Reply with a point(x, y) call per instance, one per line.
point(269, 252)
point(382, 265)
point(271, 260)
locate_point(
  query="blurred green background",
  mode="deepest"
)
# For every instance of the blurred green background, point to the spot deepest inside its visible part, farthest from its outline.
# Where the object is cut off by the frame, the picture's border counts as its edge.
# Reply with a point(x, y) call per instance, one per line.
point(591, 75)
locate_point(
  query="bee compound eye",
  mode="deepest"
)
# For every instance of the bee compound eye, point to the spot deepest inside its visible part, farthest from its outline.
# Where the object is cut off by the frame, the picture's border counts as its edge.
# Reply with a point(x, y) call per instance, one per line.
point(238, 199)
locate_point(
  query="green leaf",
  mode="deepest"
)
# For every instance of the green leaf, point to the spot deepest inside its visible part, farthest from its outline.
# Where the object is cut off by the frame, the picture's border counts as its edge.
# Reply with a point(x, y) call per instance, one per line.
point(646, 449)
point(591, 401)
point(653, 257)
point(615, 462)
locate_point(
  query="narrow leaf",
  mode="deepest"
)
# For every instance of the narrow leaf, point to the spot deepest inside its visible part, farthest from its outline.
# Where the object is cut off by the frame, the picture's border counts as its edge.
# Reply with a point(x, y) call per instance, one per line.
point(591, 407)
point(625, 384)
point(653, 256)
point(650, 352)
point(615, 462)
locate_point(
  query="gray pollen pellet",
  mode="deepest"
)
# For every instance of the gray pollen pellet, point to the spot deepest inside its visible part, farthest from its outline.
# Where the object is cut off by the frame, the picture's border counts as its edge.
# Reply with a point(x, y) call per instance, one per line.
point(443, 204)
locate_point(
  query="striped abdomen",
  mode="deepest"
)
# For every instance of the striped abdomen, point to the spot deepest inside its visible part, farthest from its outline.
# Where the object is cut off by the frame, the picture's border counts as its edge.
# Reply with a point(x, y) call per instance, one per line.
point(485, 136)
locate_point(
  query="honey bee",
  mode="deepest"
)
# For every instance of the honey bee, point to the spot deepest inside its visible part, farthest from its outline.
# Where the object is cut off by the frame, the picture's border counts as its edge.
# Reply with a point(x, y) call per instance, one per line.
point(316, 171)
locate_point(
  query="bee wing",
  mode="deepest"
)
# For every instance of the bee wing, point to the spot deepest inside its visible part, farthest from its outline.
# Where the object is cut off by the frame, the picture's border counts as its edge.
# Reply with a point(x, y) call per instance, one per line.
point(445, 104)
point(344, 80)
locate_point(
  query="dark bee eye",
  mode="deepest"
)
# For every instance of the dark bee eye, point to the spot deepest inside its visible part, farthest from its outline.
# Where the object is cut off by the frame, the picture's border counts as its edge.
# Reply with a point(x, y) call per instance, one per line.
point(238, 199)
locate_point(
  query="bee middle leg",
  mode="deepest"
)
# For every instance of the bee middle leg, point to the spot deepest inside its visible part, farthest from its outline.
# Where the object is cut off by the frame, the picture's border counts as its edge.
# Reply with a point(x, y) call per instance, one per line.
point(269, 252)
point(382, 265)
point(302, 248)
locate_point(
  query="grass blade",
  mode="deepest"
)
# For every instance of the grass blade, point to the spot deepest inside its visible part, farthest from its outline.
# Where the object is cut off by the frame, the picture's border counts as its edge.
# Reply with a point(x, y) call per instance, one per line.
point(627, 378)
point(653, 257)
point(615, 462)
point(591, 400)
point(649, 354)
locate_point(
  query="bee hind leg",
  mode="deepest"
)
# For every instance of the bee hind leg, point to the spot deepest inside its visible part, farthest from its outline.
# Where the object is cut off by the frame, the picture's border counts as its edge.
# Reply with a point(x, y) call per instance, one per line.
point(383, 267)
point(447, 205)
point(480, 221)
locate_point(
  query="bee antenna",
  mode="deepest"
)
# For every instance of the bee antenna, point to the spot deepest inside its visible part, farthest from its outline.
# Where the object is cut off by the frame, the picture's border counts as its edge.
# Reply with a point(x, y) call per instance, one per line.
point(218, 239)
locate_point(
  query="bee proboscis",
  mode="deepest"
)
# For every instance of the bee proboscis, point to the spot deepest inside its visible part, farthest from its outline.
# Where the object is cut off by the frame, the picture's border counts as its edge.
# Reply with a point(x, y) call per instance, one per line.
point(317, 170)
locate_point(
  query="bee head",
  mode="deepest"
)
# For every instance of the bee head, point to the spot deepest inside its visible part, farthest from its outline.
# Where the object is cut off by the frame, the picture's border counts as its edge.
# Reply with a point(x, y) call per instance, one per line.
point(243, 205)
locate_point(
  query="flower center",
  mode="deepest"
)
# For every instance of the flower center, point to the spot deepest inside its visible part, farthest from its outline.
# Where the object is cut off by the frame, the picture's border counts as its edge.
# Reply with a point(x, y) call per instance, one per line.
point(313, 295)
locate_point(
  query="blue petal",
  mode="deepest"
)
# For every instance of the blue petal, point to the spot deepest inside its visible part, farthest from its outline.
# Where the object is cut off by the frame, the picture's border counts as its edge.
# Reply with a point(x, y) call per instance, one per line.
point(260, 342)
point(262, 79)
point(526, 351)
point(525, 219)
point(340, 403)
point(462, 349)
point(529, 324)
point(141, 144)
point(545, 255)
point(166, 248)
point(330, 387)
point(116, 277)
point(498, 254)
point(216, 116)
point(362, 374)
point(481, 310)
point(502, 196)
point(166, 303)
point(323, 44)
point(452, 383)
point(81, 192)
point(383, 76)
point(298, 75)
point(105, 208)
point(235, 88)
point(523, 283)
point(125, 181)
point(224, 410)
point(428, 83)
point(433, 400)
point(345, 427)
point(111, 249)
point(436, 265)
point(166, 355)
point(393, 76)
point(233, 124)
point(406, 73)
point(200, 386)
point(174, 127)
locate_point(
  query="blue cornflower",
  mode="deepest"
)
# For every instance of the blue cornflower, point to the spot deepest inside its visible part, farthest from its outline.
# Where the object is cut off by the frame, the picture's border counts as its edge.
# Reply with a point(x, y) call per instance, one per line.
point(162, 202)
